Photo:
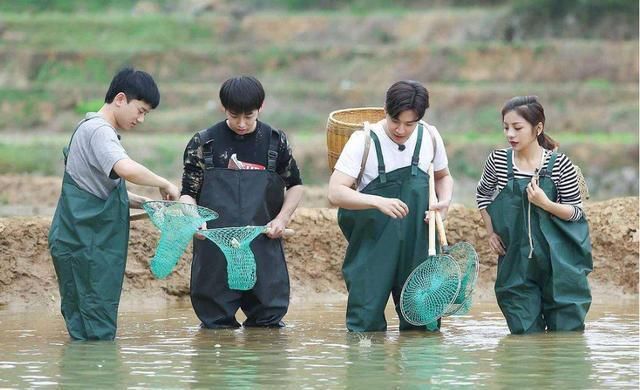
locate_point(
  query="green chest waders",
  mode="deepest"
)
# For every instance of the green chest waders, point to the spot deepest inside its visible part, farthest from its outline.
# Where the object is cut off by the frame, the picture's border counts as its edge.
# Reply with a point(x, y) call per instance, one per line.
point(382, 251)
point(549, 289)
point(88, 241)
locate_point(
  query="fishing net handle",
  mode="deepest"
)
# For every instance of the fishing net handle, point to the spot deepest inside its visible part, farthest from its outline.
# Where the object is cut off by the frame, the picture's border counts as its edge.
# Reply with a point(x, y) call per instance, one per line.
point(442, 234)
point(437, 217)
point(138, 216)
point(285, 233)
point(441, 231)
point(432, 214)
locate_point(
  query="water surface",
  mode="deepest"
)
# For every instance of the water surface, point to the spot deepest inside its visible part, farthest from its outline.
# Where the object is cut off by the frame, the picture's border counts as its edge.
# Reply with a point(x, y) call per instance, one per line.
point(167, 349)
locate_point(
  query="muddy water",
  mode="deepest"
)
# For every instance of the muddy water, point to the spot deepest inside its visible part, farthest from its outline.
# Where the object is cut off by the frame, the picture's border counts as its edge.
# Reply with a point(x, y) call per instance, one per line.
point(166, 349)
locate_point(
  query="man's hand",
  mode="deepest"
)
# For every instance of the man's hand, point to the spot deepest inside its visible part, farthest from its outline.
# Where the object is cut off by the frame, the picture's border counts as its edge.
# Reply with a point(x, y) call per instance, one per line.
point(198, 235)
point(441, 207)
point(393, 207)
point(169, 192)
point(276, 228)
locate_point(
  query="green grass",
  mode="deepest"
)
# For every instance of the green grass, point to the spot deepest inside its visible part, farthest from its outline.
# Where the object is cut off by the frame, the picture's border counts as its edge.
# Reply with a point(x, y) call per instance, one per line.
point(110, 6)
point(497, 138)
point(91, 105)
point(107, 32)
point(42, 154)
point(35, 157)
point(66, 6)
point(23, 108)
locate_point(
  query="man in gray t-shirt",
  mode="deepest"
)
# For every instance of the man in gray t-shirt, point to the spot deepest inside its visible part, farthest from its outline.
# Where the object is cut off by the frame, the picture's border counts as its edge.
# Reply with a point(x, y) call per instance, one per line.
point(89, 233)
point(96, 149)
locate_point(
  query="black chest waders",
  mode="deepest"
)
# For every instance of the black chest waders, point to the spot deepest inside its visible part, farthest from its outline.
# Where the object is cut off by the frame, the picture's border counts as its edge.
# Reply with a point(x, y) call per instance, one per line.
point(241, 198)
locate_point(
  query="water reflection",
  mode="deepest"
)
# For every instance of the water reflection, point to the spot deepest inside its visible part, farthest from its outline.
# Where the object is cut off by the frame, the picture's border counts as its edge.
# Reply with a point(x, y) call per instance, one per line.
point(552, 360)
point(95, 363)
point(167, 349)
point(241, 358)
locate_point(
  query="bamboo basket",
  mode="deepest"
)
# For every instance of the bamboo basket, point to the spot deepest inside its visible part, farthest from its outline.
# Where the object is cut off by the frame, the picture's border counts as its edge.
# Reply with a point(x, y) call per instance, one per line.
point(342, 123)
point(582, 184)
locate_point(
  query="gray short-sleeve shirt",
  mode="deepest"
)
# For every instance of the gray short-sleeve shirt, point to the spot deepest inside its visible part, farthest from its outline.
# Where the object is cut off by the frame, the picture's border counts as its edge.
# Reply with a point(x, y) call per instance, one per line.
point(94, 150)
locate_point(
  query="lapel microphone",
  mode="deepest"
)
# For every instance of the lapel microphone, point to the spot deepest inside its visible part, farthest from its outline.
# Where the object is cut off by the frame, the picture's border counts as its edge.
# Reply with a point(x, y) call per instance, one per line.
point(401, 147)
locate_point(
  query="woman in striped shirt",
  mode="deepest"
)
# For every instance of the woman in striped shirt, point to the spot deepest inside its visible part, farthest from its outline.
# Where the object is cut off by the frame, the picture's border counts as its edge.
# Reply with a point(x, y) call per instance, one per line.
point(530, 202)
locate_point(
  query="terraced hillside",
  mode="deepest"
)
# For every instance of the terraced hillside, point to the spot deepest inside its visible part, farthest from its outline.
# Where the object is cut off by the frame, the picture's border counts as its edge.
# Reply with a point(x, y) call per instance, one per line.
point(57, 65)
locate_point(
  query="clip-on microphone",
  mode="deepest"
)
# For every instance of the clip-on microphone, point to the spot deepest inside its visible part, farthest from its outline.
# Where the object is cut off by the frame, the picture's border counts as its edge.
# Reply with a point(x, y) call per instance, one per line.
point(401, 147)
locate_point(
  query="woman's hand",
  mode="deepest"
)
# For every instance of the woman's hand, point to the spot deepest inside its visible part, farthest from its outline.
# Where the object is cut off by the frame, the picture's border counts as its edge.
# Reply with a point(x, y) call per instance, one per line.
point(536, 195)
point(496, 244)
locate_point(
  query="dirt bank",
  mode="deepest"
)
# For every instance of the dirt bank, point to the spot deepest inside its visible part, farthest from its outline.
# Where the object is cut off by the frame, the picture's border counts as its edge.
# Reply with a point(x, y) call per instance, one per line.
point(28, 195)
point(314, 257)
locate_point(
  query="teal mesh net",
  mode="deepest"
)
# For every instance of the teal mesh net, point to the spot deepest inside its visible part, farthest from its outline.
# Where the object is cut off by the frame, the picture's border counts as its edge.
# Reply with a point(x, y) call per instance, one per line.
point(177, 223)
point(234, 242)
point(467, 258)
point(430, 289)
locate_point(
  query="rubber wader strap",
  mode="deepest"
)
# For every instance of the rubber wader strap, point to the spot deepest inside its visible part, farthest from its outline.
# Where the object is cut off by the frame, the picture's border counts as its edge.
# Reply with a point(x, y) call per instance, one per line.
point(65, 149)
point(415, 159)
point(510, 174)
point(272, 154)
point(548, 170)
point(381, 169)
point(207, 149)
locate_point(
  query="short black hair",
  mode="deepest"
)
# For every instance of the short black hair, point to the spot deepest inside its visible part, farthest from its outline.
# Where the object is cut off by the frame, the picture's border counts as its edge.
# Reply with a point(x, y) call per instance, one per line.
point(242, 94)
point(135, 84)
point(406, 95)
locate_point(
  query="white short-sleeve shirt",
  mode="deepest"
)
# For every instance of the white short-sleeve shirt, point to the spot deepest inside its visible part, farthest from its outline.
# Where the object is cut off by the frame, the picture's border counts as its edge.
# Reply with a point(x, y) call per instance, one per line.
point(351, 157)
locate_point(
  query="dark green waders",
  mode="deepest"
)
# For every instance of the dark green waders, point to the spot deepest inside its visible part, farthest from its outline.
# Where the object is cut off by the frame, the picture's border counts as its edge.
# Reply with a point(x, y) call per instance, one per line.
point(383, 251)
point(88, 240)
point(548, 291)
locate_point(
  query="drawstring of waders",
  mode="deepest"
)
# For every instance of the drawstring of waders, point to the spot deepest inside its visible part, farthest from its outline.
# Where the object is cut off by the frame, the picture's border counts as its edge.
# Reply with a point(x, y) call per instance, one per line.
point(536, 177)
point(529, 228)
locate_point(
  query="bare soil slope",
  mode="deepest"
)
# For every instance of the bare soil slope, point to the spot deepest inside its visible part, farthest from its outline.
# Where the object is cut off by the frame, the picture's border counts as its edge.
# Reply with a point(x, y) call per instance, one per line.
point(315, 256)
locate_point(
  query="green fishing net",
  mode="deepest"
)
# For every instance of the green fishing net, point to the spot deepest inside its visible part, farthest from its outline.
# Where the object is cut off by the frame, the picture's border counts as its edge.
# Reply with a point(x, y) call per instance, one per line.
point(467, 258)
point(430, 289)
point(234, 242)
point(177, 223)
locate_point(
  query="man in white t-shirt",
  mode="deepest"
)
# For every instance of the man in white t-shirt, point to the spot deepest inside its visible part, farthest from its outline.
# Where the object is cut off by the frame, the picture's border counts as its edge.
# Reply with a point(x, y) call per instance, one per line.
point(385, 218)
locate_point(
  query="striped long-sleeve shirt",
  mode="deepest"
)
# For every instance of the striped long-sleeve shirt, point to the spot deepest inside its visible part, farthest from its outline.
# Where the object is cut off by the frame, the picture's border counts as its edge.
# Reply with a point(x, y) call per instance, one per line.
point(494, 179)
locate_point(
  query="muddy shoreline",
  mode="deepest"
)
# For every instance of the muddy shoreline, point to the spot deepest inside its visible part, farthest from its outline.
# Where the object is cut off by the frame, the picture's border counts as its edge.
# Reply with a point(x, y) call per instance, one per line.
point(314, 255)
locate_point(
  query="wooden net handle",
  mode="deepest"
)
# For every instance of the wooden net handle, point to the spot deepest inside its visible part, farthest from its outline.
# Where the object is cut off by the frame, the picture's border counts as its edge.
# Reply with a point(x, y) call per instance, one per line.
point(286, 233)
point(138, 216)
point(432, 217)
point(441, 231)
